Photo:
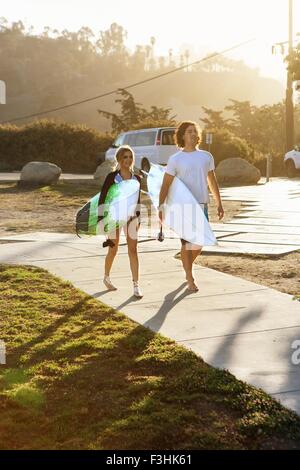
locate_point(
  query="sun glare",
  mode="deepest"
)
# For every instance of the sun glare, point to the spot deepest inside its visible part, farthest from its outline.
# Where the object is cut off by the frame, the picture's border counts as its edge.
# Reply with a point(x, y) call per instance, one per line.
point(198, 25)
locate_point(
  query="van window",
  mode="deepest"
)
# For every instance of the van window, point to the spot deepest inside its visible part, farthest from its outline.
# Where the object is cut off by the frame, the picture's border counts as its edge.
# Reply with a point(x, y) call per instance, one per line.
point(118, 140)
point(144, 139)
point(168, 137)
point(130, 140)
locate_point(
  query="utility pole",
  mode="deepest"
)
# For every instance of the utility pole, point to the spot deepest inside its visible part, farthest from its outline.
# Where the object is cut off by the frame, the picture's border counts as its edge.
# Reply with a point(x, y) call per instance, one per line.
point(289, 104)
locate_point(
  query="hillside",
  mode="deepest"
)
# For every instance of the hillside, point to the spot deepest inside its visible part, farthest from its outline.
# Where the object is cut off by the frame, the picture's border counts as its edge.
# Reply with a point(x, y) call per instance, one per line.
point(43, 72)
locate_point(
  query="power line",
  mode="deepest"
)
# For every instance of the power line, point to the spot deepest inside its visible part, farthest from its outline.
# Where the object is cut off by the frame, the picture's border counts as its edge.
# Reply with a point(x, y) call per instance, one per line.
point(211, 56)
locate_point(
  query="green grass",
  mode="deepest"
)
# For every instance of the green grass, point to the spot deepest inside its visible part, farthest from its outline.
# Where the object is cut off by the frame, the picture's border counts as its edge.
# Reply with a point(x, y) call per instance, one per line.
point(80, 375)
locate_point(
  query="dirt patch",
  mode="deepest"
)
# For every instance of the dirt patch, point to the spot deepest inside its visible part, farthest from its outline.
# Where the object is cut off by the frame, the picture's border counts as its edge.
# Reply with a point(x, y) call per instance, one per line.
point(50, 209)
point(231, 208)
point(280, 273)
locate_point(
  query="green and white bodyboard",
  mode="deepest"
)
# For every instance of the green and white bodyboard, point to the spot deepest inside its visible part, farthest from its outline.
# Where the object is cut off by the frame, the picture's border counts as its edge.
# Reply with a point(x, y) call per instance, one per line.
point(119, 205)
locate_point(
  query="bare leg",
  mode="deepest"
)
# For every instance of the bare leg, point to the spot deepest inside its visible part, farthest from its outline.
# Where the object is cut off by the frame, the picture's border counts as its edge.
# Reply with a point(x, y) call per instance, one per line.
point(187, 262)
point(133, 226)
point(133, 258)
point(196, 253)
point(188, 256)
point(111, 254)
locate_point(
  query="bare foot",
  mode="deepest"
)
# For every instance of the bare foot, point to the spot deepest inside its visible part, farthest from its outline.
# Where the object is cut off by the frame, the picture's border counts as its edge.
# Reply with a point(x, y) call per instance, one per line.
point(192, 287)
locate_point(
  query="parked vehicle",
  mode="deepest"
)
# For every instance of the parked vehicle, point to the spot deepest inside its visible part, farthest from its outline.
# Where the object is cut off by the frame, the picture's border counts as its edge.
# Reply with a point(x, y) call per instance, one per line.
point(154, 145)
point(292, 162)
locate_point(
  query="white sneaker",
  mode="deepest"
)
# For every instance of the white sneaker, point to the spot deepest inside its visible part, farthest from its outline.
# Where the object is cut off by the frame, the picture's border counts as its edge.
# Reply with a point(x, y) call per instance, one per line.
point(136, 290)
point(107, 282)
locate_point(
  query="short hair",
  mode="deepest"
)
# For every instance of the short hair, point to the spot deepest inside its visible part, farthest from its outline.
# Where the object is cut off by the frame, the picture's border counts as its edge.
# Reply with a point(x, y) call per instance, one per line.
point(179, 133)
point(119, 154)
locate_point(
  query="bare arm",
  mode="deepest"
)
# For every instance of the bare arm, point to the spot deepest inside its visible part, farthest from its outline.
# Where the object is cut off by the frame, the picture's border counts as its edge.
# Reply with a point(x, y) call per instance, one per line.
point(214, 187)
point(165, 188)
point(164, 191)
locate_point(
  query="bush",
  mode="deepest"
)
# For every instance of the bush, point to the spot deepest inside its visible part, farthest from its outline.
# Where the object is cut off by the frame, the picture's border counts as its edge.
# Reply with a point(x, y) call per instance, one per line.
point(74, 148)
point(278, 167)
point(227, 145)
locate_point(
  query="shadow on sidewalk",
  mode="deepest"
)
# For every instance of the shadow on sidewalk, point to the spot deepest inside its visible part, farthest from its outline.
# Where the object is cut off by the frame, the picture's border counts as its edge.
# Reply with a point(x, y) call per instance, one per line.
point(169, 302)
point(223, 354)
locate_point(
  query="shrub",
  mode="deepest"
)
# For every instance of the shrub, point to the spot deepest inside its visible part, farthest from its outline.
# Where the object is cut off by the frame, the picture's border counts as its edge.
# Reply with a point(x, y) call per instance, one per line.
point(278, 167)
point(227, 145)
point(74, 148)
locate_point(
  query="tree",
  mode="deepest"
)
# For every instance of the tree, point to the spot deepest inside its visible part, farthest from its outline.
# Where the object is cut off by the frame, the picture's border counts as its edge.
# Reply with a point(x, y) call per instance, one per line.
point(152, 61)
point(111, 41)
point(162, 62)
point(243, 123)
point(214, 119)
point(132, 113)
point(158, 114)
point(268, 133)
point(171, 60)
point(262, 127)
point(138, 59)
point(111, 46)
point(85, 38)
point(187, 56)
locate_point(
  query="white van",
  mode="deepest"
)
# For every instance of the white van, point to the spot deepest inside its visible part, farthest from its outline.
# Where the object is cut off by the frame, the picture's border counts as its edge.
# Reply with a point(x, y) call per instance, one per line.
point(154, 145)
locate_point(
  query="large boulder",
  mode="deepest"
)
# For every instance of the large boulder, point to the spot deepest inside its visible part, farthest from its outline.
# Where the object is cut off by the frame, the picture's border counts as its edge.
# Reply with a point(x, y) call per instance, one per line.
point(102, 171)
point(237, 171)
point(39, 174)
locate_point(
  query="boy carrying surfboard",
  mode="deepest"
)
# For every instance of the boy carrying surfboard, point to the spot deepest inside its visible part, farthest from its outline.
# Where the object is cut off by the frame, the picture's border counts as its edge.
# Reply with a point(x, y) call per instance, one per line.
point(123, 171)
point(195, 168)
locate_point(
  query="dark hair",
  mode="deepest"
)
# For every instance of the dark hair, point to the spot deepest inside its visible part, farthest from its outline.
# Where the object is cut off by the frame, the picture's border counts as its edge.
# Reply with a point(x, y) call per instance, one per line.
point(179, 133)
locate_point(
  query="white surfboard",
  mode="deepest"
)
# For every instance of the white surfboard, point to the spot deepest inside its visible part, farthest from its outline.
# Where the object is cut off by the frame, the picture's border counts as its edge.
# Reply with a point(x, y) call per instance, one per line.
point(182, 213)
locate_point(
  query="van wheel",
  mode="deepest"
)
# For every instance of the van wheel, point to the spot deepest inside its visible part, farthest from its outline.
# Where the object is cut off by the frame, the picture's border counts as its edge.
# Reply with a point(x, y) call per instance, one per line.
point(145, 165)
point(290, 169)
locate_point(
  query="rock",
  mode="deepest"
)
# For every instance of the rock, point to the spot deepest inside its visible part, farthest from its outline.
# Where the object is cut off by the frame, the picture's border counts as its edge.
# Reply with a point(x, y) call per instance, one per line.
point(237, 171)
point(103, 170)
point(39, 174)
point(289, 275)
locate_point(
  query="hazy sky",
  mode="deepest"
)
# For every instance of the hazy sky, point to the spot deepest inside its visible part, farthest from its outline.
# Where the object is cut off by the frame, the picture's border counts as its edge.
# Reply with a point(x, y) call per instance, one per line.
point(201, 24)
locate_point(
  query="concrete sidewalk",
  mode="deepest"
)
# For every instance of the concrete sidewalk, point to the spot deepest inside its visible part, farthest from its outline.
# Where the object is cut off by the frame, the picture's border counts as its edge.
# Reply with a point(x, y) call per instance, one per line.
point(231, 323)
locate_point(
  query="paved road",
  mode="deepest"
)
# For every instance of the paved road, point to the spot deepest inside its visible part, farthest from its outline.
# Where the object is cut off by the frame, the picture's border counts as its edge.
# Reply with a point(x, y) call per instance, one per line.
point(15, 176)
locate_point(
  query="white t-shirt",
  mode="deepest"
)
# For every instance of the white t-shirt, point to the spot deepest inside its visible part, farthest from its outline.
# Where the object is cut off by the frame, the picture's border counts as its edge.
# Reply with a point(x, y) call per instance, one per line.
point(192, 169)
